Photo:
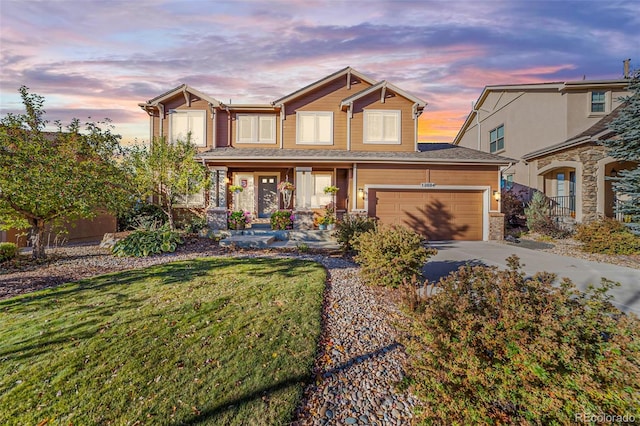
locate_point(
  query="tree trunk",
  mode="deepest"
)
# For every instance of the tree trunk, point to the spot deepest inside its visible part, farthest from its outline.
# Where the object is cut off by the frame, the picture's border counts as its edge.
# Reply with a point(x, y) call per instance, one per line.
point(37, 238)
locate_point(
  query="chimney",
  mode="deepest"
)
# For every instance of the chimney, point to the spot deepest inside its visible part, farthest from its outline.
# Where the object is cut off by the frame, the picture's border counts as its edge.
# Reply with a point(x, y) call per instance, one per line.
point(626, 67)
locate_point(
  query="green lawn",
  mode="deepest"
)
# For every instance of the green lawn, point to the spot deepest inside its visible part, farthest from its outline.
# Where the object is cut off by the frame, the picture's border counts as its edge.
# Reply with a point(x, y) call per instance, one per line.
point(207, 341)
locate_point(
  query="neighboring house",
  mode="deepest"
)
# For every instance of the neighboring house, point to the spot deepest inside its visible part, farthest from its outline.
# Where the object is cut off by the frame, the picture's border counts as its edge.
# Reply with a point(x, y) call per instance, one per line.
point(553, 128)
point(346, 130)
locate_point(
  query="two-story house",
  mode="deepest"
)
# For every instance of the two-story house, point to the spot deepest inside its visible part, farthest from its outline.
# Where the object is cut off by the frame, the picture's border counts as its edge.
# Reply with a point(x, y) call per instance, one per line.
point(345, 130)
point(553, 129)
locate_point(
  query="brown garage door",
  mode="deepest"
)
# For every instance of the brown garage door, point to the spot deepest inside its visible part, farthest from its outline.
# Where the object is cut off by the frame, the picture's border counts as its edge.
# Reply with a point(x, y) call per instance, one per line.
point(438, 215)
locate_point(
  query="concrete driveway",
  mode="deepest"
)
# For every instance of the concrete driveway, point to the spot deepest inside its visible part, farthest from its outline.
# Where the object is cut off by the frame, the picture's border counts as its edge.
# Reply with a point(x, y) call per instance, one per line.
point(453, 254)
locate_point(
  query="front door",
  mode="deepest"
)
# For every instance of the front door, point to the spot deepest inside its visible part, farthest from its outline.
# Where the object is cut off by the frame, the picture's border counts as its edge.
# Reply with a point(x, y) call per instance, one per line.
point(267, 195)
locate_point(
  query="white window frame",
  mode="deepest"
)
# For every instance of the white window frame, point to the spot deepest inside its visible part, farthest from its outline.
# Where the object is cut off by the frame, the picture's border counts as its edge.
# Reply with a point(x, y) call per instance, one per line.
point(196, 139)
point(383, 112)
point(316, 115)
point(497, 140)
point(604, 103)
point(257, 121)
point(306, 195)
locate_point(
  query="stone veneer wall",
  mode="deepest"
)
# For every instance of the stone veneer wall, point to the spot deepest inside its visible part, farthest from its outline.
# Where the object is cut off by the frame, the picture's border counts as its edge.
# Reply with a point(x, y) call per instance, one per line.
point(496, 226)
point(588, 155)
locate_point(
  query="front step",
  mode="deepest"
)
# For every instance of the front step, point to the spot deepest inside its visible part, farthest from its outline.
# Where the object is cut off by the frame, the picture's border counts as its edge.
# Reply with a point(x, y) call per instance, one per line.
point(248, 241)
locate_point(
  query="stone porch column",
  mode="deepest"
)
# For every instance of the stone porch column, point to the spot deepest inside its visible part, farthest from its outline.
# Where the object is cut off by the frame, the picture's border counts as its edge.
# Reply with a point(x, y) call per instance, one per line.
point(216, 211)
point(496, 226)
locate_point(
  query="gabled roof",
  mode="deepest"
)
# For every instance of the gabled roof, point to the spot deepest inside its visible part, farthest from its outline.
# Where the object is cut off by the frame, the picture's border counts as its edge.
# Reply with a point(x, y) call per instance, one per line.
point(441, 153)
point(598, 131)
point(559, 86)
point(379, 86)
point(315, 85)
point(183, 88)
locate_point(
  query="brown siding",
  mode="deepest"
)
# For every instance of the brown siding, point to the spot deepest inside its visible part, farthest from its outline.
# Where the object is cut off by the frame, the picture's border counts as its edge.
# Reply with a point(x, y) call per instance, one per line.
point(369, 174)
point(372, 101)
point(178, 102)
point(326, 98)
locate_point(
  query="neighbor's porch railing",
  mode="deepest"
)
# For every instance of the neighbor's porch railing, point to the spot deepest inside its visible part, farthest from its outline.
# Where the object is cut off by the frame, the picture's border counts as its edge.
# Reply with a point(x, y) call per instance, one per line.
point(563, 206)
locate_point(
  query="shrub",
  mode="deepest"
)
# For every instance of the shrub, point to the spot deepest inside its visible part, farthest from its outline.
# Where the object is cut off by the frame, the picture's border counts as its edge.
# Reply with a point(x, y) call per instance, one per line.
point(142, 243)
point(282, 219)
point(493, 347)
point(512, 206)
point(538, 214)
point(390, 254)
point(193, 225)
point(350, 227)
point(8, 251)
point(141, 215)
point(607, 236)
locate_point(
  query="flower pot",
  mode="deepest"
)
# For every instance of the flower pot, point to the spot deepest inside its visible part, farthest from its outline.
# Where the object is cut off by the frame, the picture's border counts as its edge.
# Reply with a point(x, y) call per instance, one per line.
point(331, 226)
point(322, 227)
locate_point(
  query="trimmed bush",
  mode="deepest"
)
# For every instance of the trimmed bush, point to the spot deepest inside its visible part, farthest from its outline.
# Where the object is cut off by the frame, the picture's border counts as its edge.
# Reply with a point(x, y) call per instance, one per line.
point(144, 243)
point(608, 236)
point(492, 347)
point(282, 219)
point(8, 251)
point(389, 255)
point(350, 227)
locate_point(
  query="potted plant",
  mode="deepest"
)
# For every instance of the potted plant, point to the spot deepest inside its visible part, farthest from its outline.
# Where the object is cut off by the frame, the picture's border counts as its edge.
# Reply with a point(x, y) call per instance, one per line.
point(282, 220)
point(333, 190)
point(286, 188)
point(239, 219)
point(236, 189)
point(323, 222)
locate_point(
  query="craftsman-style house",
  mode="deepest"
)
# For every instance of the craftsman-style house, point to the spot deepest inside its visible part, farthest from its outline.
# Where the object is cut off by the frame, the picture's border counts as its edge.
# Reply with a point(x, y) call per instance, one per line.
point(345, 130)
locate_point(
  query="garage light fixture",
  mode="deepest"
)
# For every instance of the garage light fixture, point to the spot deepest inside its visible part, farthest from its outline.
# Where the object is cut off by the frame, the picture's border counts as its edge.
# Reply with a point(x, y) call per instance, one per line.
point(496, 195)
point(360, 193)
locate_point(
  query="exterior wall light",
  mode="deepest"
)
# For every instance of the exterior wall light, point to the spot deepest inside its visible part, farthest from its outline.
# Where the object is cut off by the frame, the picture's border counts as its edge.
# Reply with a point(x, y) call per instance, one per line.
point(360, 193)
point(496, 195)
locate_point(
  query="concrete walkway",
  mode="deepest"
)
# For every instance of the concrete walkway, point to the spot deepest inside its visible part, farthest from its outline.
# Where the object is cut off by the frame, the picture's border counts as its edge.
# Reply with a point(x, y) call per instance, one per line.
point(453, 254)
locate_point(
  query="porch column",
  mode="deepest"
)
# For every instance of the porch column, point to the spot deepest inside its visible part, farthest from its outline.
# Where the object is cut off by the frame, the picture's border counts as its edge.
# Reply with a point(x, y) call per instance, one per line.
point(217, 209)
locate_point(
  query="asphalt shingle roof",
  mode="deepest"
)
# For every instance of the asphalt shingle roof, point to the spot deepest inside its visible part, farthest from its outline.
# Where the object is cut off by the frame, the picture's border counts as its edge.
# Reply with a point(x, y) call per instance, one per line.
point(429, 153)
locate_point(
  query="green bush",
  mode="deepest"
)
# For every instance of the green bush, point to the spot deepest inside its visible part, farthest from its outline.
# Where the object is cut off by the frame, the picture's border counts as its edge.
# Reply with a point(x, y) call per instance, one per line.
point(8, 251)
point(350, 227)
point(282, 219)
point(144, 243)
point(493, 347)
point(390, 254)
point(608, 236)
point(538, 213)
point(141, 215)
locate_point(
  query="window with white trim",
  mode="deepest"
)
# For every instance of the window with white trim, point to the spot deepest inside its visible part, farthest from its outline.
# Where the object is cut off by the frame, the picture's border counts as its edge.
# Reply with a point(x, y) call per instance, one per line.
point(255, 128)
point(598, 102)
point(310, 188)
point(382, 127)
point(496, 139)
point(185, 122)
point(314, 128)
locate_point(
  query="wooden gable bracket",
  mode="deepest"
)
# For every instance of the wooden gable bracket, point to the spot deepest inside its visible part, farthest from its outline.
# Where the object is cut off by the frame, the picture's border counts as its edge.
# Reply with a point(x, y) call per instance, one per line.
point(383, 93)
point(187, 97)
point(349, 80)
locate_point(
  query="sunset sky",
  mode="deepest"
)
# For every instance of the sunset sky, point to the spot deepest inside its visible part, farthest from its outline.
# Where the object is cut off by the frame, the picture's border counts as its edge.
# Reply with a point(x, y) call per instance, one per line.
point(99, 58)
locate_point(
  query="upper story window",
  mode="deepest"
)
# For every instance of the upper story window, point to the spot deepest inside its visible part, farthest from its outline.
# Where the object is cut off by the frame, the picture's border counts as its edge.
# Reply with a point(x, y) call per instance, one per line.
point(382, 127)
point(598, 101)
point(496, 139)
point(183, 122)
point(314, 128)
point(255, 128)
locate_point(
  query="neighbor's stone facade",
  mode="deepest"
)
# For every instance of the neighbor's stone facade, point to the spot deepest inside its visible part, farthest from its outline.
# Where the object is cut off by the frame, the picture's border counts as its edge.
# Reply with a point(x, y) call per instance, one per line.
point(588, 155)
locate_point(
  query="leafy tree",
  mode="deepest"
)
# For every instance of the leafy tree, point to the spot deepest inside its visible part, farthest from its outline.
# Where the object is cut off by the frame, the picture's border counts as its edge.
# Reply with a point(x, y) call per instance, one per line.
point(625, 146)
point(46, 177)
point(166, 171)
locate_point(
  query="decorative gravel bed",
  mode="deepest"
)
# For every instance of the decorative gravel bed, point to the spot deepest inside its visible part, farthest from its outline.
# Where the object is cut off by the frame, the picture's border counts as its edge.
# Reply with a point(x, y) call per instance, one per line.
point(359, 362)
point(570, 247)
